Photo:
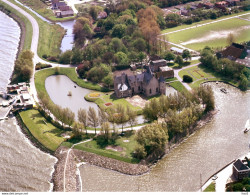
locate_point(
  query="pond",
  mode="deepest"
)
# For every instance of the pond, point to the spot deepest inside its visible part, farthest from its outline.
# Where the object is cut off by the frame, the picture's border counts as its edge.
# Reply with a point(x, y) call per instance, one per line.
point(58, 88)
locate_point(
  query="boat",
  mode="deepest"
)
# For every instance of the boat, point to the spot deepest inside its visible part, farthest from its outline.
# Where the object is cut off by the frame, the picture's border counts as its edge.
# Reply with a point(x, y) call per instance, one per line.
point(223, 90)
point(247, 126)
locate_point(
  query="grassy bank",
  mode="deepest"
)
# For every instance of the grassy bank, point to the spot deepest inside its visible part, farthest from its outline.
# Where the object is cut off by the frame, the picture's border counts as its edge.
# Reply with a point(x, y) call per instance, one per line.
point(126, 144)
point(28, 26)
point(50, 35)
point(47, 134)
point(178, 86)
point(210, 188)
point(42, 9)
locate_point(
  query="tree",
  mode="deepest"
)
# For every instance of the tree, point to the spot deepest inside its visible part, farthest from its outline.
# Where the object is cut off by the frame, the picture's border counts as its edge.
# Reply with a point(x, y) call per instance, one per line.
point(131, 116)
point(119, 30)
point(92, 118)
point(120, 116)
point(82, 118)
point(77, 130)
point(122, 59)
point(108, 80)
point(179, 60)
point(243, 83)
point(186, 54)
point(139, 44)
point(68, 117)
point(103, 117)
point(187, 79)
point(153, 139)
point(65, 57)
point(141, 56)
point(169, 56)
point(230, 39)
point(172, 20)
point(76, 57)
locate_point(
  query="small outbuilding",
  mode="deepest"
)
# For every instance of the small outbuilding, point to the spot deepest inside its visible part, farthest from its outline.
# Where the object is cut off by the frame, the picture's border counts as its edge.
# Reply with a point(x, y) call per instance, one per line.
point(240, 170)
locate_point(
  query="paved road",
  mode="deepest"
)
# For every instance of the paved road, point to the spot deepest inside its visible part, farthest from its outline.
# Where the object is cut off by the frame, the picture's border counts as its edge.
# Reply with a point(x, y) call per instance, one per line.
point(176, 74)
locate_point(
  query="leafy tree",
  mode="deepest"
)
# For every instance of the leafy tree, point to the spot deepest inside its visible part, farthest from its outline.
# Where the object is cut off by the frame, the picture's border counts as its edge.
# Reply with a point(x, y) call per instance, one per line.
point(186, 54)
point(103, 117)
point(243, 83)
point(141, 56)
point(187, 79)
point(139, 44)
point(153, 139)
point(179, 60)
point(122, 59)
point(92, 118)
point(169, 56)
point(82, 117)
point(119, 30)
point(77, 57)
point(108, 80)
point(77, 130)
point(65, 57)
point(172, 20)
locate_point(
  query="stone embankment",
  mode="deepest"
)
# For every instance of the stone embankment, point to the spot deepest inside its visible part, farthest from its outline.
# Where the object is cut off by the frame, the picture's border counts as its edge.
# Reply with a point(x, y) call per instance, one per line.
point(77, 156)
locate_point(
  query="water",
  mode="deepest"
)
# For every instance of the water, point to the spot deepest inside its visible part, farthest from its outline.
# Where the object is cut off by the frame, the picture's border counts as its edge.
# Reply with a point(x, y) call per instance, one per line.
point(9, 39)
point(58, 88)
point(205, 152)
point(22, 166)
point(68, 39)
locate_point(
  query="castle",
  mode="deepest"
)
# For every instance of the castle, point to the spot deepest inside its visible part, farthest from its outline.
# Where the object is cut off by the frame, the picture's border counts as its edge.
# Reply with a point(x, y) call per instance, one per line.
point(144, 83)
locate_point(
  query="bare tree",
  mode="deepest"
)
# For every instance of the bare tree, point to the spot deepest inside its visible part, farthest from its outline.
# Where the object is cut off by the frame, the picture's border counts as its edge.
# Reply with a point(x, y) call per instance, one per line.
point(92, 118)
point(131, 117)
point(103, 117)
point(82, 118)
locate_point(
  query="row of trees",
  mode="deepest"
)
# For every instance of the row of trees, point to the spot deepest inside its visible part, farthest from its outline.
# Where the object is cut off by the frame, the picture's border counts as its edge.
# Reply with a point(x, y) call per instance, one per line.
point(225, 67)
point(177, 113)
point(23, 67)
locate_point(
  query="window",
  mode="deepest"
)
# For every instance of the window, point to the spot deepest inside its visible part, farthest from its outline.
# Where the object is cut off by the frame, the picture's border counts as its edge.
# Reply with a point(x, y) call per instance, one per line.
point(157, 89)
point(150, 91)
point(139, 88)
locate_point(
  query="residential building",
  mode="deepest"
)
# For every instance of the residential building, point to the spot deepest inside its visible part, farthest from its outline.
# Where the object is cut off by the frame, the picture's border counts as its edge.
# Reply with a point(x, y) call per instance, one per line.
point(156, 64)
point(165, 72)
point(233, 52)
point(240, 170)
point(145, 83)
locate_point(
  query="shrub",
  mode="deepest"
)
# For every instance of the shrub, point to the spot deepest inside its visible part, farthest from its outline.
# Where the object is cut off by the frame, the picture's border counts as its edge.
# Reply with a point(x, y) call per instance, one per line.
point(187, 79)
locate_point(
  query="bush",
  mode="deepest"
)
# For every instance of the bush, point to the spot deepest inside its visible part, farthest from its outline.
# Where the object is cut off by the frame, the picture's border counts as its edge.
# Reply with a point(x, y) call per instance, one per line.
point(52, 59)
point(187, 79)
point(238, 187)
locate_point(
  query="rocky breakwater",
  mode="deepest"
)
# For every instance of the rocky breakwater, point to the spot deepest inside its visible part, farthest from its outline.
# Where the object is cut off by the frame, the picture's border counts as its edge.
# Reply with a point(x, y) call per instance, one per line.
point(71, 180)
point(109, 163)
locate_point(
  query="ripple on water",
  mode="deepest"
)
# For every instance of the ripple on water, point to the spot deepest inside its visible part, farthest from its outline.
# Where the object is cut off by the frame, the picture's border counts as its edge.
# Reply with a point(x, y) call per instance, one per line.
point(23, 166)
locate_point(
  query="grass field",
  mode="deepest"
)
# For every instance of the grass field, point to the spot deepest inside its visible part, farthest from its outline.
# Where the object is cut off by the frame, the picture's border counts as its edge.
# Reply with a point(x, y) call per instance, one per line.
point(50, 36)
point(125, 155)
point(213, 35)
point(110, 98)
point(47, 134)
point(28, 26)
point(200, 75)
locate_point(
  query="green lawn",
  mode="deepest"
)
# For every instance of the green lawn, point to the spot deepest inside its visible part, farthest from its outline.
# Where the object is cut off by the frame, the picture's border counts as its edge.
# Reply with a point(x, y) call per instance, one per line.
point(50, 35)
point(110, 98)
point(176, 66)
point(210, 188)
point(200, 75)
point(47, 134)
point(178, 86)
point(28, 26)
point(213, 35)
point(124, 155)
